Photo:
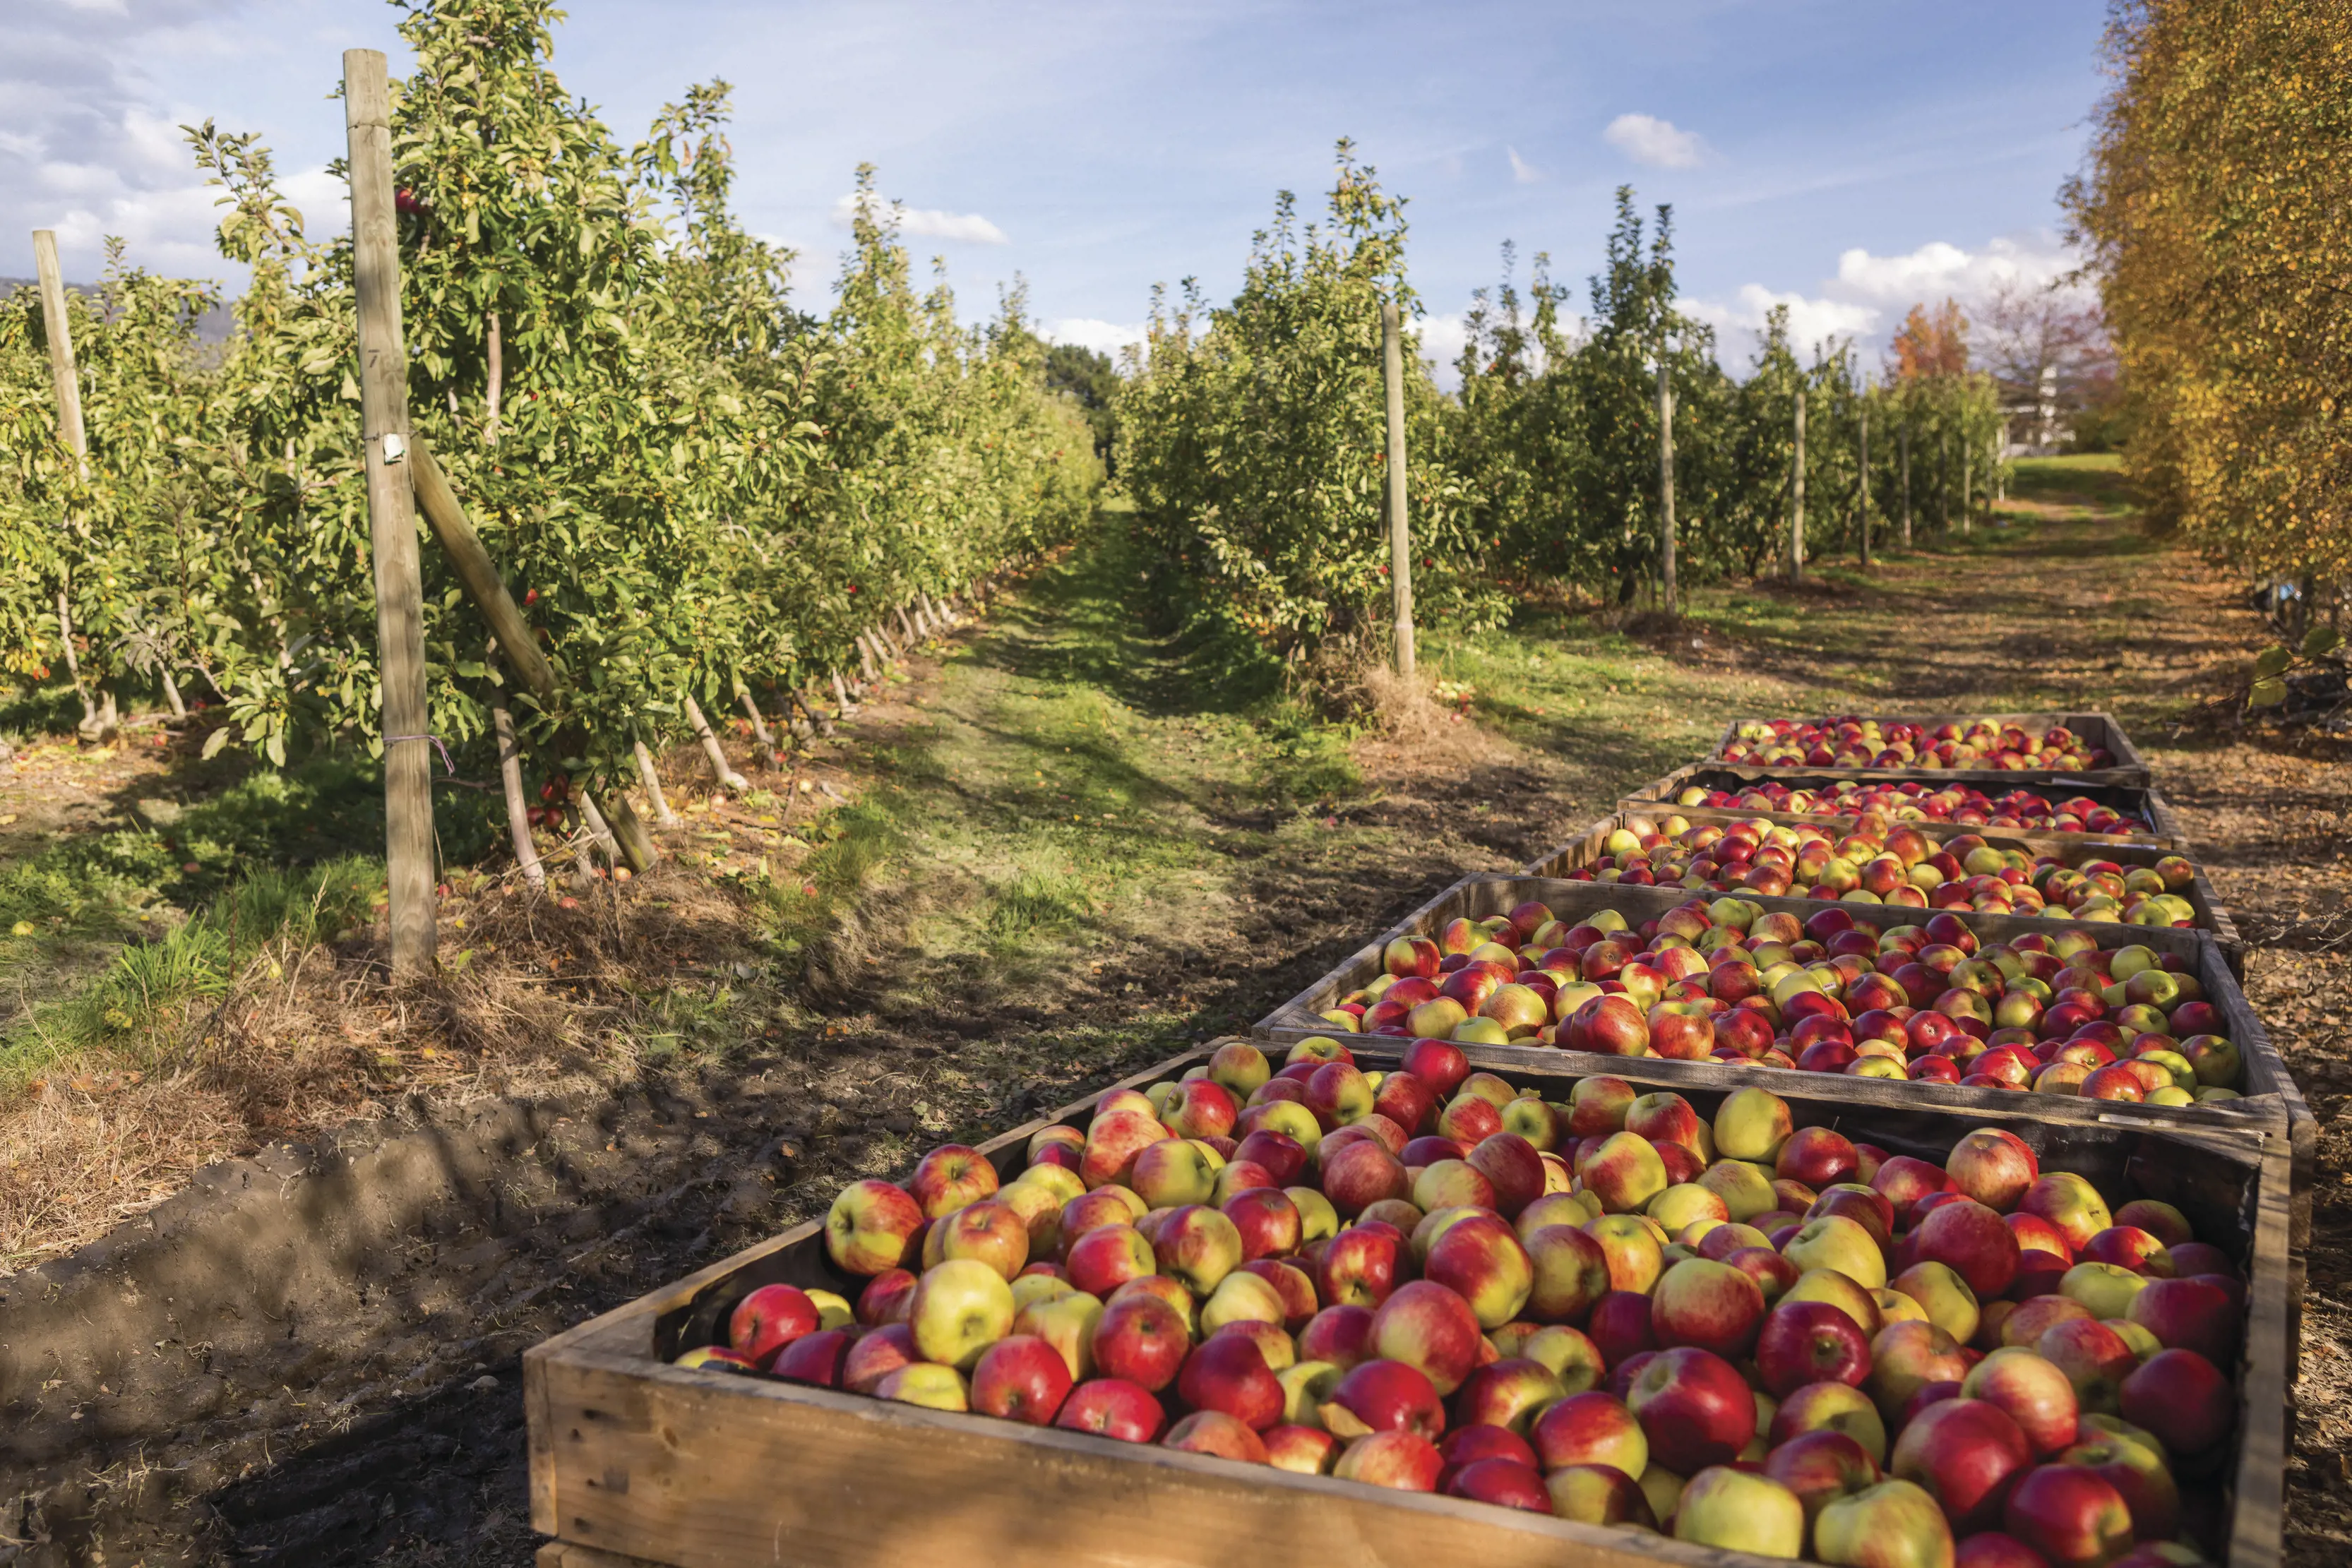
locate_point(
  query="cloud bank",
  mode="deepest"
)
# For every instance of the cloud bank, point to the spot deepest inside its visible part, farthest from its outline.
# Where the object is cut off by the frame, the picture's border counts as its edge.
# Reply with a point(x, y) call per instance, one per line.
point(925, 223)
point(1646, 139)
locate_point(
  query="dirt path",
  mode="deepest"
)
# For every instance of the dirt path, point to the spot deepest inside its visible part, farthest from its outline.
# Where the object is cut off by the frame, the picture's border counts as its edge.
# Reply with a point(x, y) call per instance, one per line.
point(1073, 857)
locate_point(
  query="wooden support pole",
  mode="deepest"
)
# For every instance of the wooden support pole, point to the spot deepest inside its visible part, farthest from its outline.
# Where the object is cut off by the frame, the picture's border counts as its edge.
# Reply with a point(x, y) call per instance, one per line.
point(598, 828)
point(865, 659)
point(392, 525)
point(1666, 480)
point(907, 626)
point(627, 829)
point(1400, 525)
point(816, 719)
point(1862, 483)
point(766, 746)
point(67, 381)
point(1797, 499)
point(841, 696)
point(494, 350)
point(649, 777)
point(1968, 479)
point(720, 768)
point(478, 574)
point(518, 803)
point(1904, 447)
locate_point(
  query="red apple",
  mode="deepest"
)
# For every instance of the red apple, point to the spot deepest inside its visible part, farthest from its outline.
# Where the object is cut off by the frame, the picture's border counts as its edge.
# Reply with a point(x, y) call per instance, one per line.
point(1358, 1267)
point(1822, 1467)
point(1401, 1461)
point(1592, 1428)
point(2034, 1392)
point(885, 1298)
point(877, 1354)
point(1993, 1166)
point(2183, 1399)
point(1695, 1407)
point(1362, 1174)
point(1386, 1397)
point(2095, 1358)
point(1818, 1156)
point(1438, 1063)
point(1431, 1329)
point(1992, 1549)
point(1303, 1450)
point(1021, 1378)
point(1507, 1393)
point(2188, 1314)
point(1907, 1356)
point(1620, 1326)
point(1214, 1432)
point(1714, 1306)
point(1966, 1454)
point(769, 1319)
point(1809, 1342)
point(2071, 1515)
point(1971, 1240)
point(1142, 1339)
point(1503, 1483)
point(1102, 1260)
point(1599, 1494)
point(1514, 1166)
point(1338, 1334)
point(2137, 1471)
point(1228, 1373)
point(817, 1359)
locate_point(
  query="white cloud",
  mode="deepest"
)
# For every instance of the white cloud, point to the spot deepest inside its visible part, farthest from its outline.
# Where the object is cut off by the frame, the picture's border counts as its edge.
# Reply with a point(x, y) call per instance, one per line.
point(1086, 332)
point(1938, 269)
point(1441, 338)
point(1738, 322)
point(928, 222)
point(1523, 171)
point(1646, 139)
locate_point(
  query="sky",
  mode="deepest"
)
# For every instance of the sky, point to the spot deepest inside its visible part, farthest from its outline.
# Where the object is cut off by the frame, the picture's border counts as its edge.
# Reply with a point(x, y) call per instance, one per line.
point(1845, 157)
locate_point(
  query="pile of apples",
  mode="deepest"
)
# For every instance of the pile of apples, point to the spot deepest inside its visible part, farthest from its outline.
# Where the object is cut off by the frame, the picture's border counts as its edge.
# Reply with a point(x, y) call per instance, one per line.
point(1855, 742)
point(1729, 981)
point(1876, 806)
point(1881, 866)
point(1748, 1335)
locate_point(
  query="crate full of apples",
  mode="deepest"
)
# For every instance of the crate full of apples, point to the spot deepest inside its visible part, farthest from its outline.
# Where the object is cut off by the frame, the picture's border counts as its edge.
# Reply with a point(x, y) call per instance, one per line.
point(2126, 814)
point(1573, 1299)
point(2090, 744)
point(1980, 1002)
point(1901, 863)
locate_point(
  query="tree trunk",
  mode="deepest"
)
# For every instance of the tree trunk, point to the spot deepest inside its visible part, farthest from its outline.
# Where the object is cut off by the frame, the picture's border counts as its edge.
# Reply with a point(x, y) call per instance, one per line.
point(758, 730)
point(494, 350)
point(1904, 447)
point(1667, 482)
point(518, 803)
point(649, 777)
point(841, 696)
point(1797, 499)
point(720, 768)
point(1864, 485)
point(1400, 521)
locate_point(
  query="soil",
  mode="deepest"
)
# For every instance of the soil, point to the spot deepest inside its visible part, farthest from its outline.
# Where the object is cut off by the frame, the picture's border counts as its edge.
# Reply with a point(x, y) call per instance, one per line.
point(312, 1356)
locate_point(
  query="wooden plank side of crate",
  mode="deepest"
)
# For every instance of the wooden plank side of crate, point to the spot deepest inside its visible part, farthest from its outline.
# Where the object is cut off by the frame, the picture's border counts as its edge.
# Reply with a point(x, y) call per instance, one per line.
point(2212, 916)
point(665, 1466)
point(699, 1469)
point(2270, 1094)
point(2097, 727)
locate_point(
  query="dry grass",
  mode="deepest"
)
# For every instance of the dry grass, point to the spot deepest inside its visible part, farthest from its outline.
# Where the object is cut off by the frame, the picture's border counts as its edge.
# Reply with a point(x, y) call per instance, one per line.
point(539, 993)
point(1409, 730)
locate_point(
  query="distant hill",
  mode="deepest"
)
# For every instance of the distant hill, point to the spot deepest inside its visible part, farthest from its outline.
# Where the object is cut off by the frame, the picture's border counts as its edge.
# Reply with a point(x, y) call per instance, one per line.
point(215, 327)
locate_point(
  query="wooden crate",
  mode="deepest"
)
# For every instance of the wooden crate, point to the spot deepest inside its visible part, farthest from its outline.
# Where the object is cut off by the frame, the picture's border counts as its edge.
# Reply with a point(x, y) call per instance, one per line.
point(634, 1461)
point(2212, 916)
point(2138, 800)
point(2271, 1106)
point(2097, 728)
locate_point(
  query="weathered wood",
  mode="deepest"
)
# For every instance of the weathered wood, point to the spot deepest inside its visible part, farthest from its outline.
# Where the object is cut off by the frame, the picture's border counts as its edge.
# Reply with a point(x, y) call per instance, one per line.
point(636, 1458)
point(598, 828)
point(865, 658)
point(510, 782)
point(841, 696)
point(720, 768)
point(478, 574)
point(2271, 1104)
point(907, 626)
point(649, 777)
point(392, 525)
point(1862, 485)
point(1400, 522)
point(65, 381)
point(1666, 481)
point(766, 747)
point(1903, 446)
point(1797, 493)
point(494, 353)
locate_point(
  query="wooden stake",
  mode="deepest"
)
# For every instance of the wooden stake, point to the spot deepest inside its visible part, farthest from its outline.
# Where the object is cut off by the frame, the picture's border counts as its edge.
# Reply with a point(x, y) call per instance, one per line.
point(649, 777)
point(66, 382)
point(907, 626)
point(720, 768)
point(841, 696)
point(1864, 485)
point(627, 831)
point(392, 525)
point(1400, 525)
point(1968, 478)
point(598, 828)
point(865, 659)
point(767, 747)
point(1903, 445)
point(518, 803)
point(1666, 479)
point(823, 726)
point(478, 574)
point(1797, 509)
point(494, 350)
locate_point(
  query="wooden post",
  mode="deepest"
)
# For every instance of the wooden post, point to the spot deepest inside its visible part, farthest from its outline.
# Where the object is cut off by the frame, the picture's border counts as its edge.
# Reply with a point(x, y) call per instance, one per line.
point(865, 659)
point(598, 828)
point(392, 525)
point(841, 695)
point(720, 768)
point(1903, 445)
point(518, 803)
point(68, 384)
point(1968, 481)
point(1862, 407)
point(907, 626)
point(478, 574)
point(1400, 525)
point(1666, 479)
point(494, 350)
point(766, 746)
point(1797, 497)
point(1943, 477)
point(627, 831)
point(649, 777)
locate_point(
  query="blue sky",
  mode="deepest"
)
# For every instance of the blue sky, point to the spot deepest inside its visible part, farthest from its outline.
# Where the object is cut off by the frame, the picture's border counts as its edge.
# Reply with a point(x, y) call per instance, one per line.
point(1846, 157)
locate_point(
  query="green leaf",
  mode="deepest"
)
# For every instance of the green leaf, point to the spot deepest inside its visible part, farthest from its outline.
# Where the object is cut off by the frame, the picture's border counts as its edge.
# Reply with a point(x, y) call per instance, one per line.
point(215, 742)
point(2271, 662)
point(2321, 641)
point(2268, 692)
